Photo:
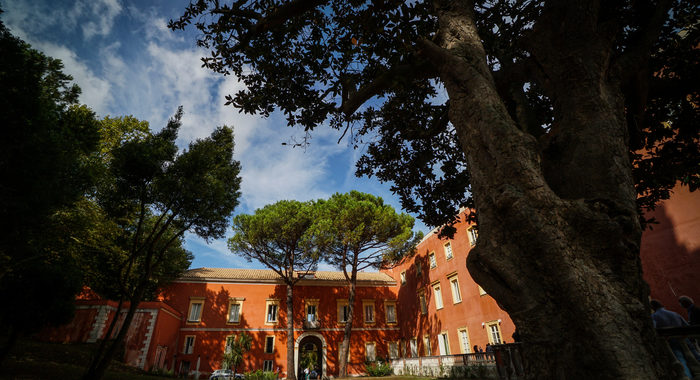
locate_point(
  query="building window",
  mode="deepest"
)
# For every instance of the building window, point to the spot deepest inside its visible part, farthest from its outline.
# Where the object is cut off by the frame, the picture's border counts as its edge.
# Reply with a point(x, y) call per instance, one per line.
point(234, 310)
point(419, 269)
point(444, 343)
point(438, 296)
point(494, 331)
point(454, 285)
point(390, 309)
point(368, 306)
point(269, 344)
point(343, 311)
point(433, 262)
point(272, 307)
point(267, 366)
point(414, 347)
point(194, 315)
point(473, 234)
point(189, 344)
point(448, 251)
point(370, 352)
point(427, 351)
point(312, 310)
point(403, 277)
point(393, 350)
point(423, 304)
point(464, 340)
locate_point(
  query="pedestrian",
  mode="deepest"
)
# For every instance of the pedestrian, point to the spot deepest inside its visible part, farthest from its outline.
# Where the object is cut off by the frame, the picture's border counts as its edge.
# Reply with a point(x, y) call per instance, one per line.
point(481, 350)
point(313, 375)
point(306, 373)
point(489, 348)
point(693, 311)
point(663, 318)
point(476, 349)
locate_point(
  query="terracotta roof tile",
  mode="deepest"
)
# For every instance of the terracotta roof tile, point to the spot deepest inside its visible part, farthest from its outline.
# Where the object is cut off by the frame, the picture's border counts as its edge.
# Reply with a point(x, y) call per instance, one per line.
point(233, 274)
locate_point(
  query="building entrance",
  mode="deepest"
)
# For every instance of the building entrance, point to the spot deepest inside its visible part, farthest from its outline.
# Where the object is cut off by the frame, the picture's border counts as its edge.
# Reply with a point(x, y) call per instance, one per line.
point(310, 356)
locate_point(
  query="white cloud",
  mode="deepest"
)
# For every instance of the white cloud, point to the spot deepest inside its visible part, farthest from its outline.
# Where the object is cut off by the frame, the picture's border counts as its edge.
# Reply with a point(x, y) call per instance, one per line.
point(95, 17)
point(101, 15)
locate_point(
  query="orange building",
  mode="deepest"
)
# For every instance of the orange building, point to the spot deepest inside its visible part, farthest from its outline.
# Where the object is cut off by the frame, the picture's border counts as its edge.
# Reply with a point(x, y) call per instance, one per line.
point(670, 250)
point(444, 311)
point(221, 303)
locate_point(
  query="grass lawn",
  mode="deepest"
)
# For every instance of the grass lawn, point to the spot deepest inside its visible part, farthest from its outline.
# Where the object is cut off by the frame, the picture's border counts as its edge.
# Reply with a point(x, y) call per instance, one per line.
point(31, 360)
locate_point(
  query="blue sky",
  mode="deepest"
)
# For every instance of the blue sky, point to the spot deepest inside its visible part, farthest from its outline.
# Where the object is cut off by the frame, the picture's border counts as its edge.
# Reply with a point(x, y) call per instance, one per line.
point(127, 62)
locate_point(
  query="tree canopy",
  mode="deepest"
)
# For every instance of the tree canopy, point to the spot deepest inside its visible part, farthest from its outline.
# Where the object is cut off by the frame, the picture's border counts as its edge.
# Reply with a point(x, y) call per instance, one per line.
point(367, 67)
point(150, 196)
point(46, 163)
point(279, 236)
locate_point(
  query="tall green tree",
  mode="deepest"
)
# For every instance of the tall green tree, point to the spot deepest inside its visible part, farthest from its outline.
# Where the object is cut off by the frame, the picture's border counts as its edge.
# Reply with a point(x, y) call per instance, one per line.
point(280, 237)
point(45, 166)
point(357, 231)
point(155, 195)
point(527, 111)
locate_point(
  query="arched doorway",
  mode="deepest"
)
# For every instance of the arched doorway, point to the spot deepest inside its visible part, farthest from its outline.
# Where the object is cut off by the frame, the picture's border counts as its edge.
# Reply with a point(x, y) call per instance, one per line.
point(306, 344)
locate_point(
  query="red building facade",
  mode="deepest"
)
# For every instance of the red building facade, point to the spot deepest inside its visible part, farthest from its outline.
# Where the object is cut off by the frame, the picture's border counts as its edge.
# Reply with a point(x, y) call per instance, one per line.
point(445, 311)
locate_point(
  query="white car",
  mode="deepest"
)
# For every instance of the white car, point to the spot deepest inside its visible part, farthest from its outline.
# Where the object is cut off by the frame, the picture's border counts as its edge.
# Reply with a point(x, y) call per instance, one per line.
point(223, 374)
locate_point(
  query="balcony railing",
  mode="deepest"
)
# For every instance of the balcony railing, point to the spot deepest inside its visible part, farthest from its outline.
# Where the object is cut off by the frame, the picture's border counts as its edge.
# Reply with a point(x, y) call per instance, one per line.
point(680, 342)
point(481, 365)
point(312, 325)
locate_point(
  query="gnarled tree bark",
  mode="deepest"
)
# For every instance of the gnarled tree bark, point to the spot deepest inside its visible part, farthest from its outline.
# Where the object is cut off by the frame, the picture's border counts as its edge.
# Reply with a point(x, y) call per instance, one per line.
point(558, 224)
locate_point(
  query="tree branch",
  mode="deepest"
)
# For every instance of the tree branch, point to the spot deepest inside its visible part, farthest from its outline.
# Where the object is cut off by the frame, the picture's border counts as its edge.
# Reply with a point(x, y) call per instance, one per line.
point(637, 55)
point(278, 17)
point(384, 81)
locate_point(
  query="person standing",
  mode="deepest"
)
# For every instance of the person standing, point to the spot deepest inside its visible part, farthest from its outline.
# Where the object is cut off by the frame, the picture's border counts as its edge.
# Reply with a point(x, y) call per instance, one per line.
point(693, 311)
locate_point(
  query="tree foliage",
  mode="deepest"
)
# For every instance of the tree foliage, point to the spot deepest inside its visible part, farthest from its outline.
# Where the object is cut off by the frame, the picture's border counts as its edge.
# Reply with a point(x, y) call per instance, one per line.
point(364, 66)
point(279, 236)
point(358, 231)
point(150, 197)
point(236, 349)
point(46, 157)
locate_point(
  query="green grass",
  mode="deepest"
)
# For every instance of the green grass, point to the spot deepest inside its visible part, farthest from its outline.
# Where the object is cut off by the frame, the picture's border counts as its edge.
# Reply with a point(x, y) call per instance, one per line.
point(32, 360)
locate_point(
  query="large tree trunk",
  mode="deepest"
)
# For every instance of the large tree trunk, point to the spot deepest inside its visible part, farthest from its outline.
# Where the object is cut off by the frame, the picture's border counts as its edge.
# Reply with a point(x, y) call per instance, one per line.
point(347, 332)
point(291, 375)
point(559, 232)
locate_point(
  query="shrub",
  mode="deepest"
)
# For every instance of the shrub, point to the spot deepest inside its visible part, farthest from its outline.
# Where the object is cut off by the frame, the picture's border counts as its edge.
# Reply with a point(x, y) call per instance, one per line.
point(260, 375)
point(378, 368)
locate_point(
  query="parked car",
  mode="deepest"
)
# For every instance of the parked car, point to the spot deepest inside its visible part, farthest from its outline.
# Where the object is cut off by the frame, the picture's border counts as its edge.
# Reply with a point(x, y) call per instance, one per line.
point(225, 374)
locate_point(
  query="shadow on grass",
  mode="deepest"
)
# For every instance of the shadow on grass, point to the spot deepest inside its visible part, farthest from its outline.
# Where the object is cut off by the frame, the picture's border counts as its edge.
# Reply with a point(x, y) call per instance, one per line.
point(31, 360)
